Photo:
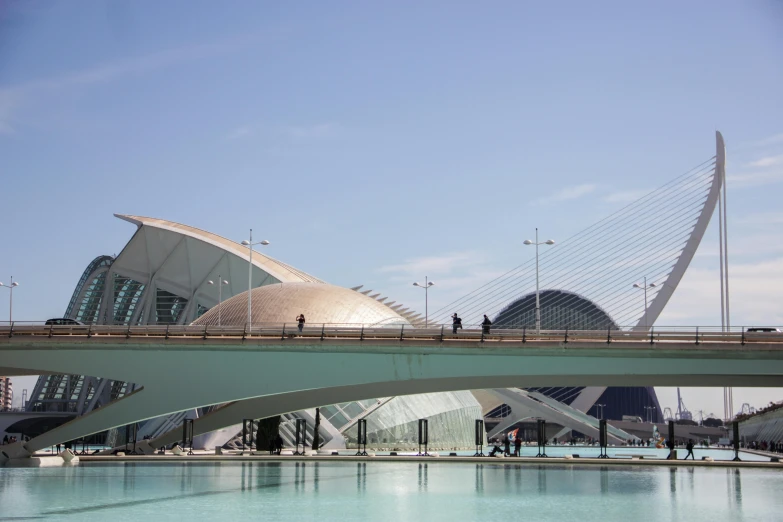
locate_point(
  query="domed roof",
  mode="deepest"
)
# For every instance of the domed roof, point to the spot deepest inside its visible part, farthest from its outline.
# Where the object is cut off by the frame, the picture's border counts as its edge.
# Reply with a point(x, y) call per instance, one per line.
point(319, 302)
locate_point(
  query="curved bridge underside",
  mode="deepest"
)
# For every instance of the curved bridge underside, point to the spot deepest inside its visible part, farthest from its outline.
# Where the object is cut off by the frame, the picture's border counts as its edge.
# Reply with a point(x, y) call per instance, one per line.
point(274, 377)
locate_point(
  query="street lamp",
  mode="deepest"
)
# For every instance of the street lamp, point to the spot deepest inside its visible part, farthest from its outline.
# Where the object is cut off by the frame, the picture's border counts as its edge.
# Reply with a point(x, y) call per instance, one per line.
point(220, 284)
point(538, 304)
point(644, 287)
point(600, 415)
point(647, 415)
point(249, 244)
point(11, 287)
point(426, 286)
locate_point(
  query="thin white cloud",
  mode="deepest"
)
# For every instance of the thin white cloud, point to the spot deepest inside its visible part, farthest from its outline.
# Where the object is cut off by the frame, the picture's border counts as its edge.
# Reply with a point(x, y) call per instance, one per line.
point(239, 132)
point(444, 264)
point(762, 218)
point(317, 130)
point(569, 193)
point(626, 196)
point(768, 161)
point(14, 97)
point(754, 179)
point(771, 140)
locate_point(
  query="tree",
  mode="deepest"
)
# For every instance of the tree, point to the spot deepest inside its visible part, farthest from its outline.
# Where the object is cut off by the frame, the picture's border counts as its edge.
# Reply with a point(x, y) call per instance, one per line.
point(712, 422)
point(316, 435)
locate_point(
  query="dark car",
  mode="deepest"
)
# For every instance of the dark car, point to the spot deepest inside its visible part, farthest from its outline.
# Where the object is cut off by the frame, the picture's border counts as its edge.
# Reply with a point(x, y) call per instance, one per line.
point(765, 329)
point(60, 321)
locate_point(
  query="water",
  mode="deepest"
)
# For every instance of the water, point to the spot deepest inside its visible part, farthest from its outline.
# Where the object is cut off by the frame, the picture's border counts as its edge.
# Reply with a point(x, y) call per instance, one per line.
point(382, 491)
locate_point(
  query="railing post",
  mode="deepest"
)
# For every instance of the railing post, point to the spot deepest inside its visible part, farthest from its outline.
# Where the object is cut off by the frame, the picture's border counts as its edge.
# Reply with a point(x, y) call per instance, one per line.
point(652, 328)
point(323, 326)
point(89, 331)
point(361, 334)
point(743, 336)
point(697, 335)
point(51, 328)
point(566, 336)
point(402, 329)
point(167, 332)
point(282, 336)
point(11, 331)
point(524, 334)
point(244, 332)
point(205, 333)
point(441, 332)
point(609, 335)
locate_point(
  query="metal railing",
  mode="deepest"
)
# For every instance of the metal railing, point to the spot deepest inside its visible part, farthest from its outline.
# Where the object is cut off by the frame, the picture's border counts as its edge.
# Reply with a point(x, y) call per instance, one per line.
point(402, 333)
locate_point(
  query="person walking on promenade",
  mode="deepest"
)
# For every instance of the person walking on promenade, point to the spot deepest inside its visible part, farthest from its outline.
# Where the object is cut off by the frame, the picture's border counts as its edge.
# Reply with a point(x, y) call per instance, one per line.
point(58, 448)
point(506, 445)
point(456, 323)
point(689, 447)
point(517, 445)
point(485, 324)
point(301, 320)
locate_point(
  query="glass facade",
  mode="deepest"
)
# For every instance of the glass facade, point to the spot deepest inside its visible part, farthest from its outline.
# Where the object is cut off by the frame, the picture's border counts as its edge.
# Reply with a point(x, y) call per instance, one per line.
point(560, 310)
point(87, 309)
point(394, 425)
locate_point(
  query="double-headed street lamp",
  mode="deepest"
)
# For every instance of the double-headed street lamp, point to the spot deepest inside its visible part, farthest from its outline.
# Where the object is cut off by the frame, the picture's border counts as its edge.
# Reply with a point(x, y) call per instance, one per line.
point(11, 287)
point(426, 286)
point(538, 304)
point(220, 284)
point(249, 244)
point(645, 286)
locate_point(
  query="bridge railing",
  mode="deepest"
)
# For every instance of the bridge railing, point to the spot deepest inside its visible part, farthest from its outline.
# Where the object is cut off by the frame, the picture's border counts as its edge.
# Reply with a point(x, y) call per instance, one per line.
point(321, 331)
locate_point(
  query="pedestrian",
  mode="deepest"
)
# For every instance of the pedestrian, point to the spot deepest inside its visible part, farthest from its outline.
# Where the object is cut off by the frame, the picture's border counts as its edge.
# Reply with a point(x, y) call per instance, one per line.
point(506, 445)
point(5, 439)
point(495, 447)
point(456, 323)
point(279, 444)
point(689, 447)
point(517, 446)
point(485, 324)
point(58, 447)
point(301, 320)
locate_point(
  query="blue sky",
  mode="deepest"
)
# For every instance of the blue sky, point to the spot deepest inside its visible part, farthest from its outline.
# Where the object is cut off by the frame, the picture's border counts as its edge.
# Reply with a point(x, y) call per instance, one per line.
point(377, 143)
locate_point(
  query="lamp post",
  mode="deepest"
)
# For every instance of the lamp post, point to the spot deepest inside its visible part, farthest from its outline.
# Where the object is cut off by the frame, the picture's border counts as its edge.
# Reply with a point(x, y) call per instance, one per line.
point(647, 415)
point(426, 286)
point(249, 244)
point(220, 284)
point(600, 415)
point(10, 288)
point(538, 304)
point(644, 286)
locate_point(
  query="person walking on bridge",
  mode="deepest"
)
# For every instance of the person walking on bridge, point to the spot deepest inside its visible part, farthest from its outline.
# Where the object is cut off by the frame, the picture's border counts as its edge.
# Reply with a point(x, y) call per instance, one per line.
point(456, 323)
point(689, 447)
point(301, 320)
point(485, 324)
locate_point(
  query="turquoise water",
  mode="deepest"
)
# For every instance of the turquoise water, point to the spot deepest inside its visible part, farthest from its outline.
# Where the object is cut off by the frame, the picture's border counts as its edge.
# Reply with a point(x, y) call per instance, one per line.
point(382, 491)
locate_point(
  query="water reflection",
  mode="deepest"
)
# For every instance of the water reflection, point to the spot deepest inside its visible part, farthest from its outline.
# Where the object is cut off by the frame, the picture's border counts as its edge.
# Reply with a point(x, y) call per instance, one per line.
point(542, 479)
point(300, 476)
point(361, 477)
point(604, 480)
point(422, 477)
point(480, 478)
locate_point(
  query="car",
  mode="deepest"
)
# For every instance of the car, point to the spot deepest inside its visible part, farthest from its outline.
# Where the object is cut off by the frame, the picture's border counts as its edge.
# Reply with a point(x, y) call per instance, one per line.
point(764, 329)
point(63, 321)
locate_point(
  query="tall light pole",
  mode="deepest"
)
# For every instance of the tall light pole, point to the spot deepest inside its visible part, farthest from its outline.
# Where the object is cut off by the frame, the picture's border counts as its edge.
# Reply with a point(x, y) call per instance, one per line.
point(601, 415)
point(648, 415)
point(11, 287)
point(249, 244)
point(426, 286)
point(538, 304)
point(220, 284)
point(644, 287)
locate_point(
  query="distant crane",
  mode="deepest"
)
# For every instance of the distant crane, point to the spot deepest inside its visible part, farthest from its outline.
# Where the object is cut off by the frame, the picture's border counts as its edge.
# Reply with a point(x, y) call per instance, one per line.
point(682, 411)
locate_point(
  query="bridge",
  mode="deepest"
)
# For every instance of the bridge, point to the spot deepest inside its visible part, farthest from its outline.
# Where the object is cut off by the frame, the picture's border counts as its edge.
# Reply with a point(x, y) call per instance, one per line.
point(272, 369)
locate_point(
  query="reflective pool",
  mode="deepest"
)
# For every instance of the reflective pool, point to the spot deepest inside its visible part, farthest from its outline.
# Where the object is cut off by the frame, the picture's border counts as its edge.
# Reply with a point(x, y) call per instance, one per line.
point(388, 491)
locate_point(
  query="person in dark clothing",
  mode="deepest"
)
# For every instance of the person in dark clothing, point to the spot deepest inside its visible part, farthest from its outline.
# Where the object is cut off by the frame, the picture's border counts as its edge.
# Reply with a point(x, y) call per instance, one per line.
point(301, 320)
point(506, 445)
point(456, 323)
point(518, 446)
point(689, 447)
point(279, 444)
point(485, 324)
point(58, 447)
point(495, 448)
point(5, 440)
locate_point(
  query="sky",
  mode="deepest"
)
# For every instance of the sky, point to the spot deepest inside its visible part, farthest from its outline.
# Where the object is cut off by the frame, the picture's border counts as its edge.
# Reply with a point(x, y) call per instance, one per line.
point(375, 143)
